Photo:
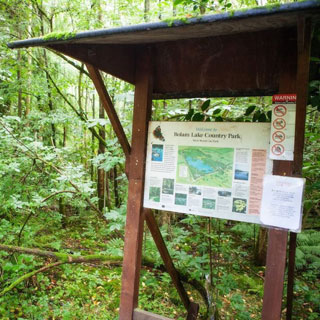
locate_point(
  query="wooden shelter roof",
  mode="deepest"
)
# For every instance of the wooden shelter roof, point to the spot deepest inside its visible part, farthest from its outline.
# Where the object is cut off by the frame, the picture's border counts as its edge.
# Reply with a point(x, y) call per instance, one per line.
point(238, 53)
point(248, 20)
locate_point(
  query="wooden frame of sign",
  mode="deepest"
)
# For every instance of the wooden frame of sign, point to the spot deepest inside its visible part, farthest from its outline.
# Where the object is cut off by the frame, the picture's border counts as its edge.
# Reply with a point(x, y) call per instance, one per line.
point(244, 55)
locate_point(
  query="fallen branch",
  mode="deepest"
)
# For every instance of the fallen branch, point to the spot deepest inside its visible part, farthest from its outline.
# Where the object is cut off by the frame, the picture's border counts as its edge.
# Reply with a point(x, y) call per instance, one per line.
point(64, 258)
point(29, 275)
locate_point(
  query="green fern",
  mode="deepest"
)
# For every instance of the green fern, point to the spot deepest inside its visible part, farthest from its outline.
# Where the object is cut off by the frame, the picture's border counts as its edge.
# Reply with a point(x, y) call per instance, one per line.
point(308, 250)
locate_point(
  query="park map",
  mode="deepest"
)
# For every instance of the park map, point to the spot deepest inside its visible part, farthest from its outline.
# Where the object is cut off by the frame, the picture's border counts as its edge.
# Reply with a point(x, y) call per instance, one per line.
point(205, 166)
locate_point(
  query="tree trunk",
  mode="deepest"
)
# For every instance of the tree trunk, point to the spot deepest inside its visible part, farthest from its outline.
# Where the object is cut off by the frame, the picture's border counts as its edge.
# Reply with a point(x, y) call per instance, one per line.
point(101, 173)
point(146, 10)
point(50, 101)
point(92, 137)
point(19, 84)
point(260, 253)
point(117, 201)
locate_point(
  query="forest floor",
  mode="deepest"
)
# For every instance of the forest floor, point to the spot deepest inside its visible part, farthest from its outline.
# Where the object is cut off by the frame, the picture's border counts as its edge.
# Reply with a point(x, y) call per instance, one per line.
point(90, 291)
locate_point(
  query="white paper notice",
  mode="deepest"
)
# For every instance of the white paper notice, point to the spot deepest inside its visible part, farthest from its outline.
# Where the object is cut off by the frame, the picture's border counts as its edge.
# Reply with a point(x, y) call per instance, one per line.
point(281, 204)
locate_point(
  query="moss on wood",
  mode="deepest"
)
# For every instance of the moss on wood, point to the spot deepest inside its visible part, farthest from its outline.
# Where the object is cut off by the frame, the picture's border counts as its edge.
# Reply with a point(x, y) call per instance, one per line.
point(59, 36)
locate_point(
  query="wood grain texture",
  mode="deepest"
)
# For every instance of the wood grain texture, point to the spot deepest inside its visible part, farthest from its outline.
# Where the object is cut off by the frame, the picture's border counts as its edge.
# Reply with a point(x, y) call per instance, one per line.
point(274, 277)
point(144, 315)
point(277, 239)
point(294, 78)
point(157, 237)
point(302, 78)
point(117, 60)
point(304, 44)
point(233, 65)
point(109, 108)
point(135, 216)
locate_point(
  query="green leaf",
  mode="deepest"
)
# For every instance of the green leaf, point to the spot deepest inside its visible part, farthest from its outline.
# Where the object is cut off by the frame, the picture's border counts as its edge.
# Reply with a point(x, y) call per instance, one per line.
point(177, 2)
point(216, 111)
point(262, 117)
point(198, 117)
point(256, 116)
point(205, 105)
point(189, 115)
point(249, 110)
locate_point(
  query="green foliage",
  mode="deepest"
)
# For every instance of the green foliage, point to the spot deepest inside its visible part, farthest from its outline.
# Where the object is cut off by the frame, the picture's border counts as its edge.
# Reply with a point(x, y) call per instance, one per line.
point(308, 251)
point(47, 208)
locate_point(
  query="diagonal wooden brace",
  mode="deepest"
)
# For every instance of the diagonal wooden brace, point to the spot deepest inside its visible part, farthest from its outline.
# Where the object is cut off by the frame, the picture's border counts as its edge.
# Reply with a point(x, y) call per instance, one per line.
point(109, 108)
point(156, 234)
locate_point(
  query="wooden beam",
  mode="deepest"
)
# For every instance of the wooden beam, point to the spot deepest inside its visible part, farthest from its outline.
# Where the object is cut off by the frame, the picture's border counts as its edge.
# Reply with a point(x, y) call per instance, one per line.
point(135, 214)
point(157, 237)
point(110, 110)
point(304, 44)
point(302, 79)
point(294, 78)
point(230, 65)
point(117, 60)
point(277, 239)
point(144, 315)
point(274, 277)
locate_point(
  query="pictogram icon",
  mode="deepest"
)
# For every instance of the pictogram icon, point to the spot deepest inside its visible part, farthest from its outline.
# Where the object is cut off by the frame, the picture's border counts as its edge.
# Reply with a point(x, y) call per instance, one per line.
point(280, 110)
point(279, 123)
point(277, 149)
point(278, 136)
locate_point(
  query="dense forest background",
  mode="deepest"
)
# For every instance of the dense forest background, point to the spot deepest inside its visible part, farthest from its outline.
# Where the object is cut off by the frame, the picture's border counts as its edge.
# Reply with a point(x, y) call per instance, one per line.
point(63, 189)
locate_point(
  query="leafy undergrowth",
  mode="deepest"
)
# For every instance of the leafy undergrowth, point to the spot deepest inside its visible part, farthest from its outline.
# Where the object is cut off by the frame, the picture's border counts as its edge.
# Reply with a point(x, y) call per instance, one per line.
point(85, 291)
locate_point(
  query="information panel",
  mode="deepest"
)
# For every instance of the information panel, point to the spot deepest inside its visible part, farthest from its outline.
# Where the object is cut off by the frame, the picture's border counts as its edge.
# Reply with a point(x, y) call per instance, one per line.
point(209, 169)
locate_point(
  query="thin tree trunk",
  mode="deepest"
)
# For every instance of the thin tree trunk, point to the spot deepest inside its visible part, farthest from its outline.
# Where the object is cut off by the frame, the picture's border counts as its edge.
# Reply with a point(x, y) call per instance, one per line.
point(92, 137)
point(50, 101)
point(146, 10)
point(19, 84)
point(160, 10)
point(115, 188)
point(101, 172)
point(64, 144)
point(260, 253)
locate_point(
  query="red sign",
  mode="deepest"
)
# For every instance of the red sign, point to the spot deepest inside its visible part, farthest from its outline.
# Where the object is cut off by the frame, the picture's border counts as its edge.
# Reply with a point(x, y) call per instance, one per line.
point(277, 149)
point(288, 98)
point(279, 123)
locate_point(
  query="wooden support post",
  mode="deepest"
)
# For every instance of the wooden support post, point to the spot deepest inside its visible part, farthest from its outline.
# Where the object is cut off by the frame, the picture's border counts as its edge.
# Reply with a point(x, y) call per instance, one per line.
point(109, 108)
point(293, 80)
point(157, 237)
point(304, 44)
point(135, 217)
point(276, 262)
